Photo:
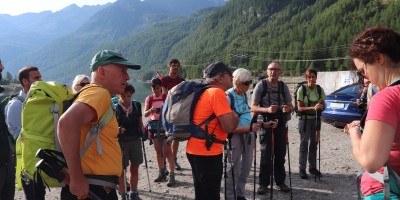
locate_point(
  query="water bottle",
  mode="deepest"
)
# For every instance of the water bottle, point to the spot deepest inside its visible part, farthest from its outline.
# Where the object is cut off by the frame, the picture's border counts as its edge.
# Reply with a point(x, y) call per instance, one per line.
point(260, 120)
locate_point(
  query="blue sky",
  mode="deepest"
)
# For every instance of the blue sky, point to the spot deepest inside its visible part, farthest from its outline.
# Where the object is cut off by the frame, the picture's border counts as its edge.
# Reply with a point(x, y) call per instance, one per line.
point(16, 7)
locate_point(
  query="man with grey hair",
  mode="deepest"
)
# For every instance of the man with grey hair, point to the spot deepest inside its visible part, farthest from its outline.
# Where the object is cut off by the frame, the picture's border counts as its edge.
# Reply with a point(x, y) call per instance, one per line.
point(206, 161)
point(109, 77)
point(272, 99)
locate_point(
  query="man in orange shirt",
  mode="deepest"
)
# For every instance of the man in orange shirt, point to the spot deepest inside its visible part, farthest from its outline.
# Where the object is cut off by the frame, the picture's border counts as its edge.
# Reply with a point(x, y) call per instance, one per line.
point(206, 162)
point(109, 77)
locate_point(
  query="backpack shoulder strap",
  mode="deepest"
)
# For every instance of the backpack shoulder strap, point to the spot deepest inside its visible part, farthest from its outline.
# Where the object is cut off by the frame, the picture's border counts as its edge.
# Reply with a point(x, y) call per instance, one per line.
point(265, 89)
point(95, 130)
point(232, 101)
point(150, 100)
point(281, 89)
point(136, 105)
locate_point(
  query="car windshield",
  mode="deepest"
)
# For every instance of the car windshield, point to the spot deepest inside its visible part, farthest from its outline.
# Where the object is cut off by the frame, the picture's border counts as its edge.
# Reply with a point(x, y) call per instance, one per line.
point(354, 89)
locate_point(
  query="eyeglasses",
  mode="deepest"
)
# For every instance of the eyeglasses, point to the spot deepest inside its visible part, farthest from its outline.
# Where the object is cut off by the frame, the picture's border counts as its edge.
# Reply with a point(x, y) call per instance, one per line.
point(83, 84)
point(247, 83)
point(361, 71)
point(274, 69)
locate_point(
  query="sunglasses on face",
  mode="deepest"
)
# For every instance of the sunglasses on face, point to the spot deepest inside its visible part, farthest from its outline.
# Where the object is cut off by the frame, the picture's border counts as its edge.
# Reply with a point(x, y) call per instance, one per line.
point(361, 72)
point(83, 84)
point(247, 83)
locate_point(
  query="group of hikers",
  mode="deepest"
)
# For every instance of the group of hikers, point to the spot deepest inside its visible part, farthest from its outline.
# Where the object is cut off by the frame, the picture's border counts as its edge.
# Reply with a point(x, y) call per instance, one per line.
point(233, 123)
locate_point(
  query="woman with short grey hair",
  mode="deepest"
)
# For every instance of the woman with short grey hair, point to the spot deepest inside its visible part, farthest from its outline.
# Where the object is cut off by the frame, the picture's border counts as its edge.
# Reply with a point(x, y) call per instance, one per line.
point(242, 139)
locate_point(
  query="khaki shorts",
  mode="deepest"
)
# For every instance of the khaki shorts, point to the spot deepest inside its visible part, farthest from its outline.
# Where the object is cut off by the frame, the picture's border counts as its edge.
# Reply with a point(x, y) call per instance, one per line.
point(131, 151)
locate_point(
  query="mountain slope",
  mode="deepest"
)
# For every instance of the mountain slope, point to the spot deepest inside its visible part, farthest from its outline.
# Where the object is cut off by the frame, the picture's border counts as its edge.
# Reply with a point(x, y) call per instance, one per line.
point(22, 33)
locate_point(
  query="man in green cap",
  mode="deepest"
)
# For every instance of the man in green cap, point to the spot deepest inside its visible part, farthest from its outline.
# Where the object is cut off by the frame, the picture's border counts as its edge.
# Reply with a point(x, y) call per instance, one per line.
point(103, 160)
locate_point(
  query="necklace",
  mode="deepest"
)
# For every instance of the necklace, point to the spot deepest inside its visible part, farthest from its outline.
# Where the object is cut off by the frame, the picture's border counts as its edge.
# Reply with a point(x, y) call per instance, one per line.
point(127, 110)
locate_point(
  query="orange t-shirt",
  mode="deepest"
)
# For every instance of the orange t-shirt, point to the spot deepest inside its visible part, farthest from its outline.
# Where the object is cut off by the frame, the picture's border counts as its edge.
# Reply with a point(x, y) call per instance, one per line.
point(110, 162)
point(213, 100)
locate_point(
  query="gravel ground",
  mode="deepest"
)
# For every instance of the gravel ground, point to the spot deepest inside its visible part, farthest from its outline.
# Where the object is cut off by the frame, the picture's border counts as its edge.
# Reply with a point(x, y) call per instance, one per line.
point(337, 165)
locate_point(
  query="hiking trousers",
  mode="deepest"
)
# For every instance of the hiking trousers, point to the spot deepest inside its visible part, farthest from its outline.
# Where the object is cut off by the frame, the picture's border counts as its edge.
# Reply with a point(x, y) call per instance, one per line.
point(7, 180)
point(308, 145)
point(242, 160)
point(279, 149)
point(207, 176)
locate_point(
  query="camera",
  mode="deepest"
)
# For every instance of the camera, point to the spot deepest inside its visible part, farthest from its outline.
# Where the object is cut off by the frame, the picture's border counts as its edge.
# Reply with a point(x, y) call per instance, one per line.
point(158, 110)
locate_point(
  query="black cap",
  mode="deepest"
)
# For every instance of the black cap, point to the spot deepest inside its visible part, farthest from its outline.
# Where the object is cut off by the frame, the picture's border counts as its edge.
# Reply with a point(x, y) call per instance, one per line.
point(216, 68)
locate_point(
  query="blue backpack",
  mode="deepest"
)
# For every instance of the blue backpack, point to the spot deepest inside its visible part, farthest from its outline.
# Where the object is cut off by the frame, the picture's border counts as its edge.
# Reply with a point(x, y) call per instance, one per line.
point(177, 113)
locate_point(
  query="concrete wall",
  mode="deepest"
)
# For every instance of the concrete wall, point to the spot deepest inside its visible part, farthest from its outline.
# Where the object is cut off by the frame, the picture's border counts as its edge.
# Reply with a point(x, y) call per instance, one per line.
point(332, 81)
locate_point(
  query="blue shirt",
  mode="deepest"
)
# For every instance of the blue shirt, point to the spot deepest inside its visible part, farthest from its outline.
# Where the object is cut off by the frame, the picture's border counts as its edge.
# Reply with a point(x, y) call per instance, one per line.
point(12, 113)
point(241, 107)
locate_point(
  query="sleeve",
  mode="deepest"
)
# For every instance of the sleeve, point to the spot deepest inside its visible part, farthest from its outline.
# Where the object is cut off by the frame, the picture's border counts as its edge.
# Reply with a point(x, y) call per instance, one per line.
point(385, 107)
point(257, 92)
point(288, 97)
point(13, 118)
point(219, 103)
point(163, 84)
point(97, 98)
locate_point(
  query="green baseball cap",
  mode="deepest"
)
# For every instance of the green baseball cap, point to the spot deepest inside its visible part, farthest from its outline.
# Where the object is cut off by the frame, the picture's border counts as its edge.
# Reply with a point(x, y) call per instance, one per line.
point(106, 57)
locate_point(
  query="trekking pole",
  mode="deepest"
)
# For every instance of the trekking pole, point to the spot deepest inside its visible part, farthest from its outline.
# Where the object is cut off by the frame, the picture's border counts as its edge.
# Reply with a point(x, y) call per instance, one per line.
point(145, 162)
point(123, 161)
point(272, 164)
point(288, 154)
point(260, 120)
point(233, 167)
point(319, 142)
point(225, 169)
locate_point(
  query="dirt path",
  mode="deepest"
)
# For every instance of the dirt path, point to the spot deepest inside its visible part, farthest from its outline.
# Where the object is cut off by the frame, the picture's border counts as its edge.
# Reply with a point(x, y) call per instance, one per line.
point(337, 165)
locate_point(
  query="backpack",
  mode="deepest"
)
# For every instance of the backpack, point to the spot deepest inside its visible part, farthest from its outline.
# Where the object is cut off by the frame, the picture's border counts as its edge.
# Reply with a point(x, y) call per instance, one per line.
point(3, 105)
point(303, 86)
point(5, 148)
point(177, 113)
point(44, 104)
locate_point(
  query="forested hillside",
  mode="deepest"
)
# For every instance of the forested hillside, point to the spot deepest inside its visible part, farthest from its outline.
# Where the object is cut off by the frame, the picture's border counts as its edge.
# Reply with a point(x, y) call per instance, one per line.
point(298, 33)
point(242, 33)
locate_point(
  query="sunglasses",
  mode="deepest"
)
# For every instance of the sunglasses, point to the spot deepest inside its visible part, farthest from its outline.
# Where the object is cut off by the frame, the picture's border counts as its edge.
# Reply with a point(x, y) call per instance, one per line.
point(83, 84)
point(247, 83)
point(361, 72)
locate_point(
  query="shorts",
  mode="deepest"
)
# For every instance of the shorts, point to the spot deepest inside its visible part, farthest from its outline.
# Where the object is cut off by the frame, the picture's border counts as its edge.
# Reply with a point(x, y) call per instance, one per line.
point(131, 151)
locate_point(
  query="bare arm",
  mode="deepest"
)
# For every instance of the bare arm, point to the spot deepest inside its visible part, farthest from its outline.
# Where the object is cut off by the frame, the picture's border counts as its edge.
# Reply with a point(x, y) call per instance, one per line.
point(69, 132)
point(318, 106)
point(371, 150)
point(229, 121)
point(258, 109)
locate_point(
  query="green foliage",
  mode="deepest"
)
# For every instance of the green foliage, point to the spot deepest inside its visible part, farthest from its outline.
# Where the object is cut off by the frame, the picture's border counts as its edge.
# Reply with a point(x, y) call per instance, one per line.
point(243, 33)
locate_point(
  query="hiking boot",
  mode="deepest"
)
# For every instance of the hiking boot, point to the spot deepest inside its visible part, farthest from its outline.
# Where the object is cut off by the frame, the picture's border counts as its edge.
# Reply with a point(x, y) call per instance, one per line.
point(134, 196)
point(177, 166)
point(240, 198)
point(171, 180)
point(162, 176)
point(283, 187)
point(262, 189)
point(315, 172)
point(303, 174)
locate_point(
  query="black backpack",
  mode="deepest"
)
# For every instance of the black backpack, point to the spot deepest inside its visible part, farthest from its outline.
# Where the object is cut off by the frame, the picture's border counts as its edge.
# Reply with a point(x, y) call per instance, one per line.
point(7, 142)
point(304, 88)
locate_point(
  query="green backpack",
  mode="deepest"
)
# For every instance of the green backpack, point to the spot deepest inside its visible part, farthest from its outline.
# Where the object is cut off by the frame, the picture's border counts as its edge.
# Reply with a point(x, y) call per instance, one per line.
point(44, 104)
